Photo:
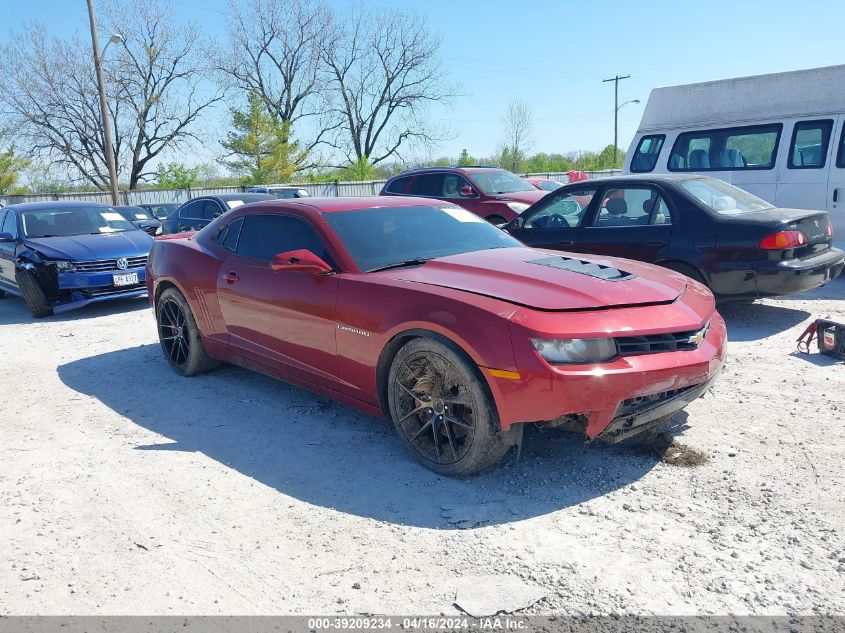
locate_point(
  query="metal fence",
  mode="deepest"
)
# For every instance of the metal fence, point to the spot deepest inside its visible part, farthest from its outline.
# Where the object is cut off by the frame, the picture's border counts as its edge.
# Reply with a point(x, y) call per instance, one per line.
point(154, 196)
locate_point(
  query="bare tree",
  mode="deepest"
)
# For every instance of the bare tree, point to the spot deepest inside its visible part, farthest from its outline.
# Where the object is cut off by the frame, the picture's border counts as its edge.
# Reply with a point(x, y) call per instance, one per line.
point(154, 86)
point(518, 124)
point(274, 53)
point(384, 72)
point(158, 78)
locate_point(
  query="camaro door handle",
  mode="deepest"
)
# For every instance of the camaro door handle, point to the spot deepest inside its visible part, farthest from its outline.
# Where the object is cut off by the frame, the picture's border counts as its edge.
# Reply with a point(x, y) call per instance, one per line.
point(231, 277)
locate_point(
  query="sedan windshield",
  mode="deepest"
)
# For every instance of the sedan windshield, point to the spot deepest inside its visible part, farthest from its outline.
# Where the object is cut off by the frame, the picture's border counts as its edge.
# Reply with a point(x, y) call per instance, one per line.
point(549, 185)
point(495, 181)
point(381, 237)
point(135, 213)
point(65, 221)
point(722, 198)
point(161, 211)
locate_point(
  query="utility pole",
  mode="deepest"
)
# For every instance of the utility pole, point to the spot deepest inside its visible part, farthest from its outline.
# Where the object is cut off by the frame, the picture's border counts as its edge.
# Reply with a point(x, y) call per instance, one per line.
point(615, 81)
point(104, 108)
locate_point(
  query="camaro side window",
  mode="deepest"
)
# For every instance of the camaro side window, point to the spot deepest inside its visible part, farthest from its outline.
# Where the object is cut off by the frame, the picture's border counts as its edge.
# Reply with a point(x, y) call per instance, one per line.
point(265, 236)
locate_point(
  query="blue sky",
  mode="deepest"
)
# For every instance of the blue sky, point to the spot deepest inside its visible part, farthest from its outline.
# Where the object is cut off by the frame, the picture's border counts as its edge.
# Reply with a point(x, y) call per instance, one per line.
point(555, 55)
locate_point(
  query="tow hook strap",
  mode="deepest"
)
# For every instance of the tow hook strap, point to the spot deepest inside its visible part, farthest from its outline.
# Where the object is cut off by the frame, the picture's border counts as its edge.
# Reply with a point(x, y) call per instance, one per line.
point(807, 337)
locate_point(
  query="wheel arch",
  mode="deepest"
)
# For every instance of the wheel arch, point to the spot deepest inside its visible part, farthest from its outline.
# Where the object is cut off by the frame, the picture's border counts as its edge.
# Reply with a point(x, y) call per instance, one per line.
point(399, 340)
point(667, 263)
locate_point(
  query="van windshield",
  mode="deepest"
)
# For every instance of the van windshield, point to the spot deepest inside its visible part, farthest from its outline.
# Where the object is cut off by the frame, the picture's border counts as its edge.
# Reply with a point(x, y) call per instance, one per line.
point(722, 198)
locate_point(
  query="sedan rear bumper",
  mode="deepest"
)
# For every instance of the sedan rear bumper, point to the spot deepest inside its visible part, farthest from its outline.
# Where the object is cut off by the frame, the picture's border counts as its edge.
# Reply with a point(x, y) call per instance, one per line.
point(775, 278)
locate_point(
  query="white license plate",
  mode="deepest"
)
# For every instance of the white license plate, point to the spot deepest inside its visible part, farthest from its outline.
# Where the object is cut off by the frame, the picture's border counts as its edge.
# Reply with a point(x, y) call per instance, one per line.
point(129, 279)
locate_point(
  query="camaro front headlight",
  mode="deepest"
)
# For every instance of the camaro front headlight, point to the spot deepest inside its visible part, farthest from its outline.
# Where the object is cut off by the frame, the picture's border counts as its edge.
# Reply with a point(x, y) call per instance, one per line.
point(565, 351)
point(517, 207)
point(64, 267)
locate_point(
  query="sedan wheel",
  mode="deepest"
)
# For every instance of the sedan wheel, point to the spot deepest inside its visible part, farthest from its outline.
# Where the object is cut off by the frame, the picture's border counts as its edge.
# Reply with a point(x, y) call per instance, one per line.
point(442, 411)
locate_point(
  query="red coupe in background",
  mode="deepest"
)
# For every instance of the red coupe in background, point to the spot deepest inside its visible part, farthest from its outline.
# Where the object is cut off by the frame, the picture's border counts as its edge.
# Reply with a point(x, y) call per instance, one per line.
point(422, 312)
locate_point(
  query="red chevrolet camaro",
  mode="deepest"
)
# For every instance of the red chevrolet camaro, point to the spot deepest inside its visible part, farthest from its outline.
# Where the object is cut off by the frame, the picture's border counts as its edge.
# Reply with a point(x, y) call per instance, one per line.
point(424, 313)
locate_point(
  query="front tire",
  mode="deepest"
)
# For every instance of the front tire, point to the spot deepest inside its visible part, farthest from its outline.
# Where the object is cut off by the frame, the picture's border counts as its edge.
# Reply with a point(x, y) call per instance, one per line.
point(496, 219)
point(443, 410)
point(179, 335)
point(33, 294)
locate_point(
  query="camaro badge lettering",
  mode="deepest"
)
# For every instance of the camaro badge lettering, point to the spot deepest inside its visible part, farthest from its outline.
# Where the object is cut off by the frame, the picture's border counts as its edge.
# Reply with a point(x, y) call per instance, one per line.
point(346, 328)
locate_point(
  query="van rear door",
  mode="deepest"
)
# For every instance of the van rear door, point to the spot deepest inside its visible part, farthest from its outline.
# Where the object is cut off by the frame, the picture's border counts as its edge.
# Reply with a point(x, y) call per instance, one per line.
point(836, 183)
point(804, 162)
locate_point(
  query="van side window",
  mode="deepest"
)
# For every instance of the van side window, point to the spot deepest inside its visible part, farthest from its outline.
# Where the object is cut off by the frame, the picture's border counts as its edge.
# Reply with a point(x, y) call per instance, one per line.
point(809, 144)
point(645, 158)
point(840, 156)
point(729, 149)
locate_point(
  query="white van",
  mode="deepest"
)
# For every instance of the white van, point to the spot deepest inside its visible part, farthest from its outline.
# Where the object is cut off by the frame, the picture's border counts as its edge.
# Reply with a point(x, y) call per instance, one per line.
point(779, 136)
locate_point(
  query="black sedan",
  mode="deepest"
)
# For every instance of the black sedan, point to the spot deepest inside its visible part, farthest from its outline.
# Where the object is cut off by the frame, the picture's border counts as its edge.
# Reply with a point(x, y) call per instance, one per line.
point(737, 244)
point(141, 218)
point(160, 210)
point(197, 212)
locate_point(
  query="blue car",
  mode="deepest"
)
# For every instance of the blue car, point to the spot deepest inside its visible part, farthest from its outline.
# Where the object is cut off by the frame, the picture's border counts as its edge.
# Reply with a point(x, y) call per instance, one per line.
point(64, 255)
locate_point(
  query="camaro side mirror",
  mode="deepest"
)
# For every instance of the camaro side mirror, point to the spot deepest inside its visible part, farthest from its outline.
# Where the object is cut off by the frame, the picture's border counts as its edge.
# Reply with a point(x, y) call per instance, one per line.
point(301, 260)
point(6, 237)
point(466, 191)
point(517, 223)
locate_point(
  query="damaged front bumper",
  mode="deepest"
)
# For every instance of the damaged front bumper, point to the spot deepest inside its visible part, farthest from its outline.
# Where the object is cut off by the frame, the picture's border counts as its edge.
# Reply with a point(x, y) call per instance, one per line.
point(636, 415)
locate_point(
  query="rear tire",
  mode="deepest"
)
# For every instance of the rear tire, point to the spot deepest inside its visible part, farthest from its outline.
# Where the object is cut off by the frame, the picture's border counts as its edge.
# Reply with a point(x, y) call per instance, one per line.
point(179, 335)
point(443, 411)
point(33, 294)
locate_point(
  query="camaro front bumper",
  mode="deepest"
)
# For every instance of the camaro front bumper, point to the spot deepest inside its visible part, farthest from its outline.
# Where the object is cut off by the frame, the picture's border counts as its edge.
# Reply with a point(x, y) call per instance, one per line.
point(77, 289)
point(613, 400)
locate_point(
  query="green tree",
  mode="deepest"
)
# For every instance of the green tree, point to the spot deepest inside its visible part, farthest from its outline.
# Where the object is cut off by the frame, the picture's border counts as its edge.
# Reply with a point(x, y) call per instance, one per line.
point(362, 169)
point(261, 145)
point(464, 160)
point(11, 166)
point(177, 176)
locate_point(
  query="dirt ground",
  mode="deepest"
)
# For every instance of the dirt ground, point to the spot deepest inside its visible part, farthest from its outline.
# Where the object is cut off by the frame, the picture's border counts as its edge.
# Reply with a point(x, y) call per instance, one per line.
point(125, 489)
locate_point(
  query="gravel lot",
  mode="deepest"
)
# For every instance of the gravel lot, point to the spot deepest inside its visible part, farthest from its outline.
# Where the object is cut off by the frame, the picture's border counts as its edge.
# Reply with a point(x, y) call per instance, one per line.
point(125, 489)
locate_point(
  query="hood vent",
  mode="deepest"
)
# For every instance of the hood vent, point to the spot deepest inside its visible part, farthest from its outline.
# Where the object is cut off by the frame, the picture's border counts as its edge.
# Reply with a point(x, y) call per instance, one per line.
point(591, 269)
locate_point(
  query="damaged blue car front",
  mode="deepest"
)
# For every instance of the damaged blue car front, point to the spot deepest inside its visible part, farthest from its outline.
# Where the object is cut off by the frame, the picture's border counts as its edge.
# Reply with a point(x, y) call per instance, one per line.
point(64, 255)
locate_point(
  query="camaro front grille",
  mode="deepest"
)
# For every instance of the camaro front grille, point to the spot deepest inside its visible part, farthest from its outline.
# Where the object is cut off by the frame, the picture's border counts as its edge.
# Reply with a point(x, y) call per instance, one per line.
point(103, 265)
point(632, 406)
point(654, 343)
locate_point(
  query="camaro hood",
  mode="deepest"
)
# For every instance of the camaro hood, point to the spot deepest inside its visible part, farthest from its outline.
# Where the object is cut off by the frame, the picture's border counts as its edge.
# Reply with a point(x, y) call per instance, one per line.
point(87, 247)
point(548, 280)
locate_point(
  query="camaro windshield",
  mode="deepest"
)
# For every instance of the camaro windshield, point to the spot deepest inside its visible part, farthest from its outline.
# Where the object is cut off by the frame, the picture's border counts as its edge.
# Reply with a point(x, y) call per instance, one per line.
point(67, 221)
point(382, 236)
point(500, 181)
point(722, 198)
